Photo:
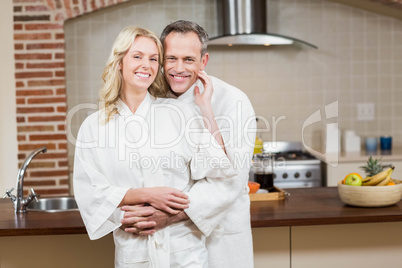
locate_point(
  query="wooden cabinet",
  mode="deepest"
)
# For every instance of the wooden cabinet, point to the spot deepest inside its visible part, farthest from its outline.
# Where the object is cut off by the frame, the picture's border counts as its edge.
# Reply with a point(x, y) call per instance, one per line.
point(347, 246)
point(271, 247)
point(62, 251)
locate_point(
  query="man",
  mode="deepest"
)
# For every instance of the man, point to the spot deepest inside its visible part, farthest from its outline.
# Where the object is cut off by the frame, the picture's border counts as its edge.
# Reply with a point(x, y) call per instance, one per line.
point(223, 219)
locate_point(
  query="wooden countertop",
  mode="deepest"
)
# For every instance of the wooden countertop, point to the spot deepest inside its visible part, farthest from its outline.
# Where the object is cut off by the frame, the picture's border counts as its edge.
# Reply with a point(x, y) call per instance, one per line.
point(38, 223)
point(304, 206)
point(317, 206)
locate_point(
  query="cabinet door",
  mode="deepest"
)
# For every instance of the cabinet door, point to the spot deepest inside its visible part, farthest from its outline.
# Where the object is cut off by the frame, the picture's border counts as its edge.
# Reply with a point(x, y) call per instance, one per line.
point(271, 247)
point(347, 246)
point(61, 251)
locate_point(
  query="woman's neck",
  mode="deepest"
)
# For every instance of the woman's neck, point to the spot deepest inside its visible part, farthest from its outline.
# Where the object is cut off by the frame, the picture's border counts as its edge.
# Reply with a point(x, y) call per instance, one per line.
point(133, 100)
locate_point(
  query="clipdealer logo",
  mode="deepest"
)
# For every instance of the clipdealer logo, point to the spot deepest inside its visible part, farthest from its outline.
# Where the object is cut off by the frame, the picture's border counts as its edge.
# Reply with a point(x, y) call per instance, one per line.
point(332, 133)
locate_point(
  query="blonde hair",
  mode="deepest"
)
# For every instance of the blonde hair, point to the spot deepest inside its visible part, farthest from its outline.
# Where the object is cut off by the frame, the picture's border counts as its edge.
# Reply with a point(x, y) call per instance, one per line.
point(112, 77)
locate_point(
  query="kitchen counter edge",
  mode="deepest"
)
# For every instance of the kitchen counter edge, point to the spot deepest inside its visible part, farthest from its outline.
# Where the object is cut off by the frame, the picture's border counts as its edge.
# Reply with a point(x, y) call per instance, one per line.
point(304, 207)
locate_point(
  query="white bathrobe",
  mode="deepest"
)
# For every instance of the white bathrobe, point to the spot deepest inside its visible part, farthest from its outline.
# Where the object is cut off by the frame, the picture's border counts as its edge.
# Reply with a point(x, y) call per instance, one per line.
point(159, 145)
point(230, 244)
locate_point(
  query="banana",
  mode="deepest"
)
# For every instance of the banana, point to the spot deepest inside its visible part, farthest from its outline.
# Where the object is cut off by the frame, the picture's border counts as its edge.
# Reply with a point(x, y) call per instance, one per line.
point(386, 180)
point(374, 180)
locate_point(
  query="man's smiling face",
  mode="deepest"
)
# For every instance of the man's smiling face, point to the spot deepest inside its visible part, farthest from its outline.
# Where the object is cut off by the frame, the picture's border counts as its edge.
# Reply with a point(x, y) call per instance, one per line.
point(183, 60)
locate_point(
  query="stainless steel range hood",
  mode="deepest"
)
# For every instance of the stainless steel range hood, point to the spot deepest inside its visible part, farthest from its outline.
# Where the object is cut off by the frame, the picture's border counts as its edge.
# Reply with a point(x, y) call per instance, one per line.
point(243, 22)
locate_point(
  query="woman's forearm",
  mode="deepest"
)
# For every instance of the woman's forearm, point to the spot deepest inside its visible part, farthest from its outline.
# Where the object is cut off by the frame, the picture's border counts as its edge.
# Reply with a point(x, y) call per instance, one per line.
point(211, 125)
point(134, 197)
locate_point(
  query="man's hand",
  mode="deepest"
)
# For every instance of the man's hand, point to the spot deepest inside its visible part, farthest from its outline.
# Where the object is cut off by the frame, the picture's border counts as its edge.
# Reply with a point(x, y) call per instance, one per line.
point(145, 220)
point(136, 219)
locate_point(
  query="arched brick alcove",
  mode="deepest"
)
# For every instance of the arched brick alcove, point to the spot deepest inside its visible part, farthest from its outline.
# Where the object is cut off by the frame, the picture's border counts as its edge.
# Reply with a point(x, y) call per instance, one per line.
point(41, 89)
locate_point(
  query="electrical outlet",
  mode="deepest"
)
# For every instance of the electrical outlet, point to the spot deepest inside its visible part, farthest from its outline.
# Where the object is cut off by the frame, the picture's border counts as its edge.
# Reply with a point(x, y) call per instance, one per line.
point(365, 111)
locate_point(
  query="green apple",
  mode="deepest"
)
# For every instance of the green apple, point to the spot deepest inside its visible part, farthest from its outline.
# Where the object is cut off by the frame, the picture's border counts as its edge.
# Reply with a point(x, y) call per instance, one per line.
point(353, 179)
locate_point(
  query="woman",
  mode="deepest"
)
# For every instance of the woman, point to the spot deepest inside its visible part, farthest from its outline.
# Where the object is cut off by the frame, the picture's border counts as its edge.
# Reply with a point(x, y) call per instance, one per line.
point(139, 149)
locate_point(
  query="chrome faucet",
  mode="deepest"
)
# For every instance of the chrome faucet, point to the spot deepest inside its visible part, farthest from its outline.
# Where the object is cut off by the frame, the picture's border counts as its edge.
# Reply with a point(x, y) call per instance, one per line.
point(20, 204)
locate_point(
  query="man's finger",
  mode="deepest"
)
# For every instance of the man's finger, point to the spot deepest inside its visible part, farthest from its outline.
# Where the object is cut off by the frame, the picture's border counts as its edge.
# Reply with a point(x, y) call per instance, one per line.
point(136, 231)
point(145, 225)
point(132, 220)
point(138, 214)
point(146, 232)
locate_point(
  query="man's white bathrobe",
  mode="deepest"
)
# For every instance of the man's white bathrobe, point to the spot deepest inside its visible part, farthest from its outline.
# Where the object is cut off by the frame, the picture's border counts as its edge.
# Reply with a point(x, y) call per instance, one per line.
point(160, 145)
point(230, 244)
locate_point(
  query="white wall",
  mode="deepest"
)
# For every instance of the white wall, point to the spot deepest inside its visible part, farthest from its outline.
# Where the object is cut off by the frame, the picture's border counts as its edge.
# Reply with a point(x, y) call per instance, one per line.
point(8, 125)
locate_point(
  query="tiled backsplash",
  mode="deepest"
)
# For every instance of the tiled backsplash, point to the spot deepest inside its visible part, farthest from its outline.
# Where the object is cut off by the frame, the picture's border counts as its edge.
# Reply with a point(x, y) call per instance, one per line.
point(359, 60)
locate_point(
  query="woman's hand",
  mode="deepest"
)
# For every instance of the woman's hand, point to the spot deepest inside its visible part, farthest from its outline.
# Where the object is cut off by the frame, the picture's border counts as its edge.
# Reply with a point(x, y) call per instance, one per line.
point(204, 100)
point(167, 199)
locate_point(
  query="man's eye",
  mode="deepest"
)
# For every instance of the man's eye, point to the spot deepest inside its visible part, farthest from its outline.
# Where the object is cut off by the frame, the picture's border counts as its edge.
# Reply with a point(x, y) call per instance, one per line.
point(189, 60)
point(170, 58)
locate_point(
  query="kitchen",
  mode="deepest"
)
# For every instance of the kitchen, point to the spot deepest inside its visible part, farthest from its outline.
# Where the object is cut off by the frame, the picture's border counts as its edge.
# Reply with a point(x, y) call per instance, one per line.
point(358, 61)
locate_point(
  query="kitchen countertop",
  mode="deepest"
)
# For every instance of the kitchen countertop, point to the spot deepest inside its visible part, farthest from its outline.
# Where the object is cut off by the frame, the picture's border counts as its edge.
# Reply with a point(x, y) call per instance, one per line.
point(38, 223)
point(317, 206)
point(304, 206)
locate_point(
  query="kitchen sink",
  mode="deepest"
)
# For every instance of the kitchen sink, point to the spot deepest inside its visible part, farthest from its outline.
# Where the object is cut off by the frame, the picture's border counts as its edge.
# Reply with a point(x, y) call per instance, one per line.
point(54, 204)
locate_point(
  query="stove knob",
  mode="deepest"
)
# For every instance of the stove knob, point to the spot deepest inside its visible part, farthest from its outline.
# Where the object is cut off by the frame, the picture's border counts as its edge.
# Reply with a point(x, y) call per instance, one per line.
point(285, 175)
point(308, 174)
point(297, 175)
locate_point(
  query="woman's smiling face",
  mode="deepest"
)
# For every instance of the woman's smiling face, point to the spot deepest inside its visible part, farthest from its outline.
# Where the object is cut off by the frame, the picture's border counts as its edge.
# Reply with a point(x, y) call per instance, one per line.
point(140, 65)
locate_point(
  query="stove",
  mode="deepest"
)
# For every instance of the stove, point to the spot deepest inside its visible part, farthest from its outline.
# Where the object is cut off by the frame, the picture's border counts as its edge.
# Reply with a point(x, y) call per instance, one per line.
point(290, 165)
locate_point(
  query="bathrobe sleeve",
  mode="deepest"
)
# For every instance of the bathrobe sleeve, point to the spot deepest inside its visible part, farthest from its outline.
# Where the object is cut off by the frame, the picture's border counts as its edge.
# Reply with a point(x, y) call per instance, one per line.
point(96, 197)
point(211, 197)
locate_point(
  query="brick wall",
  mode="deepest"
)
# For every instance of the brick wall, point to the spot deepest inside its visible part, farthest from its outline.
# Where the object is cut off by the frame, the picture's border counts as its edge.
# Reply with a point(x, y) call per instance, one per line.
point(40, 87)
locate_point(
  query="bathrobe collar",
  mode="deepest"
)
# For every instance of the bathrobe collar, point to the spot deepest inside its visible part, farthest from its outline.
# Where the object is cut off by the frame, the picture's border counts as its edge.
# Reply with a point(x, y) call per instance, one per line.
point(142, 110)
point(188, 96)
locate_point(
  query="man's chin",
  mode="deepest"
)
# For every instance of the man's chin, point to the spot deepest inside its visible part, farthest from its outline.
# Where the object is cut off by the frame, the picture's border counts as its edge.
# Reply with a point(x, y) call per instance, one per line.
point(177, 92)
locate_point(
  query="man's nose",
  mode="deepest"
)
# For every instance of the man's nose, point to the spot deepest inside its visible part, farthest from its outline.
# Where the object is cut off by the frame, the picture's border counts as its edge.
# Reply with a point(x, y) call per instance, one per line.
point(179, 66)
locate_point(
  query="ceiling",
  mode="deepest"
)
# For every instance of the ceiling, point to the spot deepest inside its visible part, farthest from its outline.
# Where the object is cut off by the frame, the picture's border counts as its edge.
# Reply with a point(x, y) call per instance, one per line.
point(391, 8)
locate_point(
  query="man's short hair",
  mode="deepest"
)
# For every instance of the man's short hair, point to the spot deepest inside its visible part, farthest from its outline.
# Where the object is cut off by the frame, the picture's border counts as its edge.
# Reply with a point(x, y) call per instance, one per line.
point(184, 26)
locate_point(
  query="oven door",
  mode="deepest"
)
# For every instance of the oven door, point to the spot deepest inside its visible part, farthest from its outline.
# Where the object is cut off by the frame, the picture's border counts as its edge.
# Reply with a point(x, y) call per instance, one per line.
point(296, 184)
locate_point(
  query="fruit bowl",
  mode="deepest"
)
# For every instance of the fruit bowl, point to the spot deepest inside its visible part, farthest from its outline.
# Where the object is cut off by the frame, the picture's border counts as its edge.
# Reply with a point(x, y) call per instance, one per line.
point(370, 196)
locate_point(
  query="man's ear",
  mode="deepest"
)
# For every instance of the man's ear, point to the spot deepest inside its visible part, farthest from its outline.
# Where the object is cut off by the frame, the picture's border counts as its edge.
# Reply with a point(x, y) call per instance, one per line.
point(204, 61)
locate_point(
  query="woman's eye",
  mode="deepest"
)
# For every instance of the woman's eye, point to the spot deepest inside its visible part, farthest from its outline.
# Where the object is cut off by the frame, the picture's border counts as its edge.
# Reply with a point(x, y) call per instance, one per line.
point(154, 59)
point(136, 57)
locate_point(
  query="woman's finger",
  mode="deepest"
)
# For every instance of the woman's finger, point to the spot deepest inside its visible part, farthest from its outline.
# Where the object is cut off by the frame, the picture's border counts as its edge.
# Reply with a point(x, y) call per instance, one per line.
point(171, 210)
point(179, 200)
point(180, 193)
point(196, 90)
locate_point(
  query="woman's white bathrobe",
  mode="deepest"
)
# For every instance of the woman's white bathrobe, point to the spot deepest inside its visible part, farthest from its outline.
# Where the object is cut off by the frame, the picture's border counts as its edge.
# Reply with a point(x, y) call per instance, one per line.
point(230, 244)
point(160, 145)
